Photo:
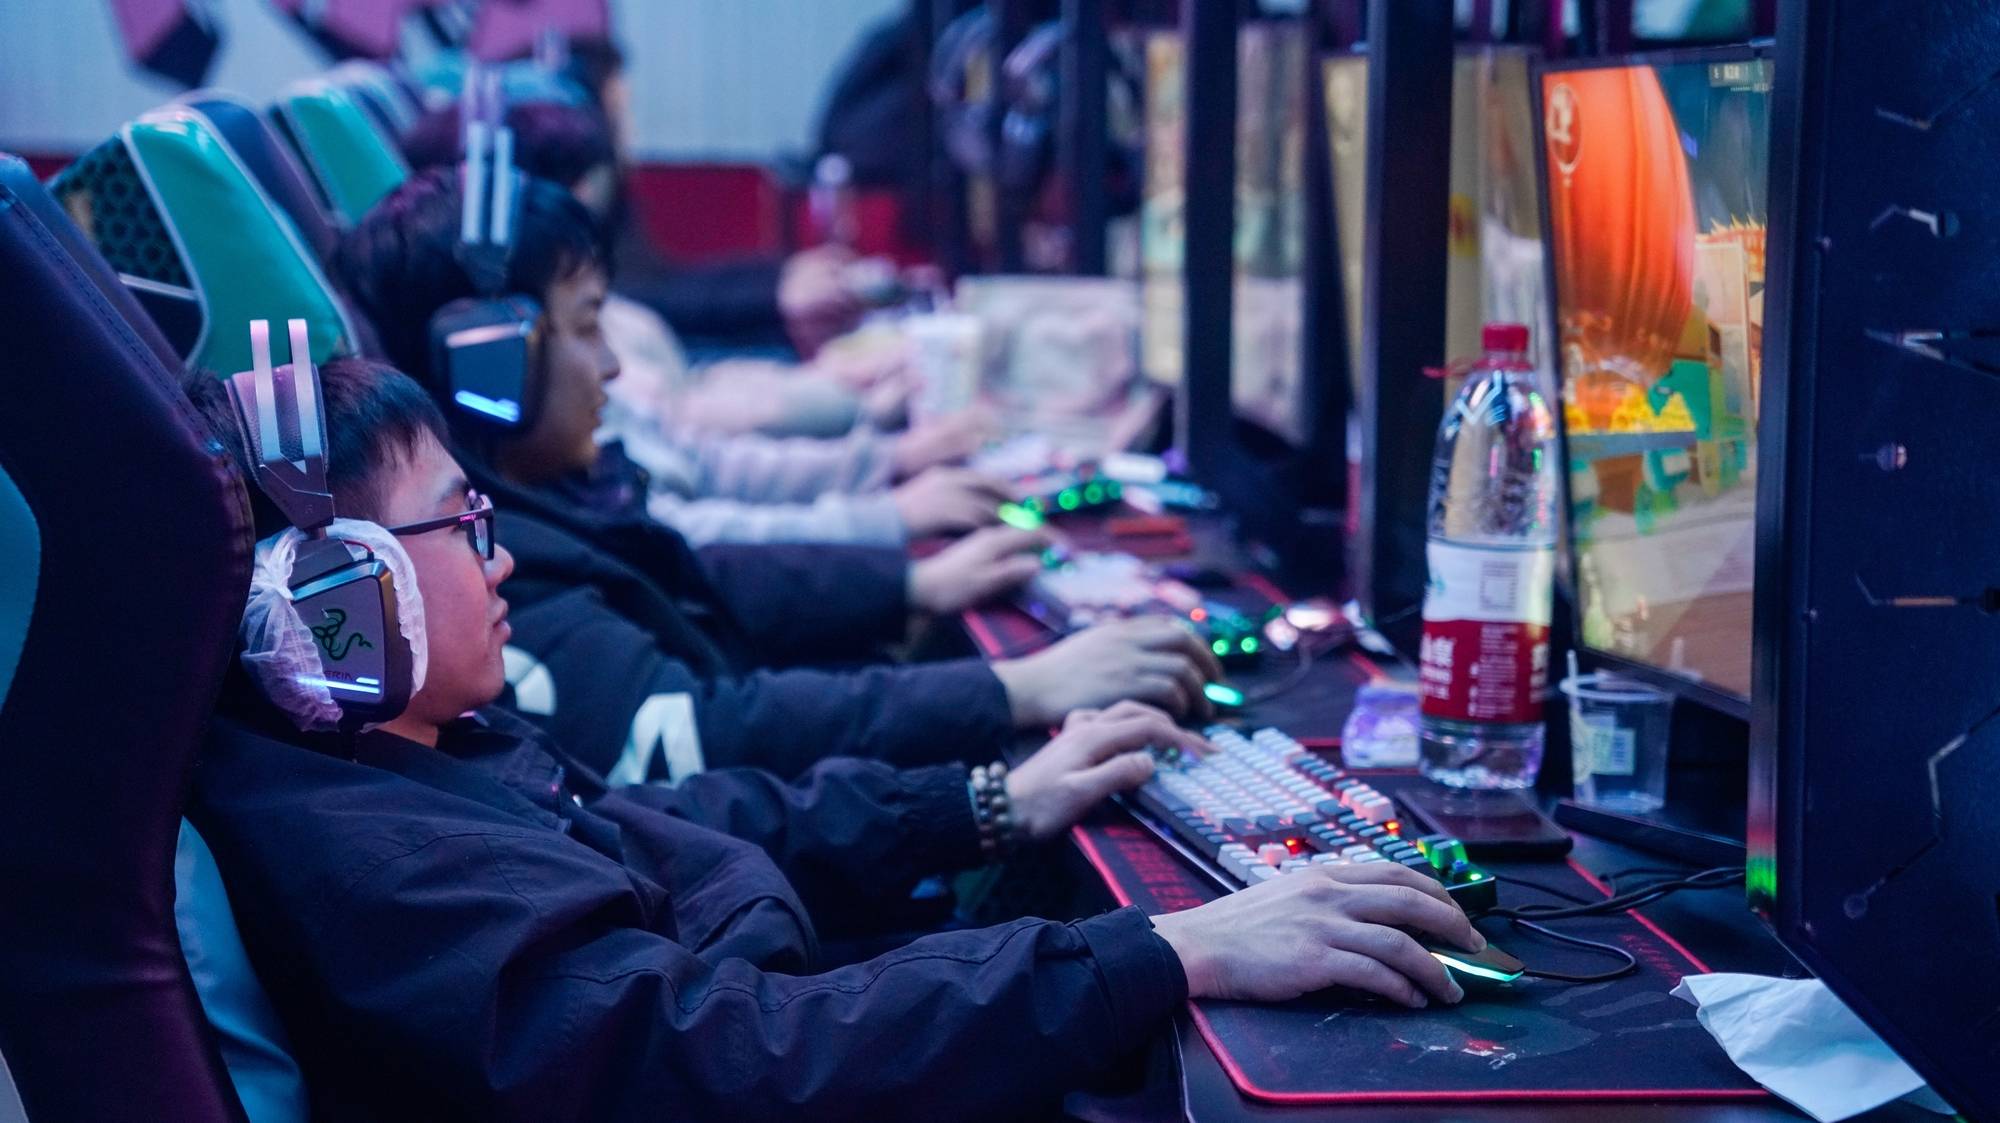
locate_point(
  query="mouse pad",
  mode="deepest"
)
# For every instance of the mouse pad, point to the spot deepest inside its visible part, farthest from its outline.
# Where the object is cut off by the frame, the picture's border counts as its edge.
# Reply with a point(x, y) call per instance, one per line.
point(1531, 1040)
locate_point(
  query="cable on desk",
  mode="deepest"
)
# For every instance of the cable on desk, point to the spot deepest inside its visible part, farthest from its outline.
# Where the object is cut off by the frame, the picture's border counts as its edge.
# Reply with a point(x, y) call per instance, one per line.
point(1717, 878)
point(1612, 879)
point(1540, 888)
point(1291, 681)
point(1631, 962)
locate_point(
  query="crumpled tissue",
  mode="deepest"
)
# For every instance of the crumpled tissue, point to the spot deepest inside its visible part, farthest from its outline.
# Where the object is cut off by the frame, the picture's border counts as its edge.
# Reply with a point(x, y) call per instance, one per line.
point(1803, 1044)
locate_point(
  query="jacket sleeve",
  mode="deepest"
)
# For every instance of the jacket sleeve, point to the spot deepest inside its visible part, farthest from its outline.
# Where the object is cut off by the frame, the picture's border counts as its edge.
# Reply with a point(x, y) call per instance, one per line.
point(545, 1006)
point(845, 832)
point(608, 694)
point(764, 469)
point(741, 396)
point(865, 520)
point(802, 603)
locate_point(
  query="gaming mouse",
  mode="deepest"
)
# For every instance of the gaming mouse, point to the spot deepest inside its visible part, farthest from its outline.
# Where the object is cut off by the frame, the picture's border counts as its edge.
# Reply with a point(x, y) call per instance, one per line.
point(1471, 968)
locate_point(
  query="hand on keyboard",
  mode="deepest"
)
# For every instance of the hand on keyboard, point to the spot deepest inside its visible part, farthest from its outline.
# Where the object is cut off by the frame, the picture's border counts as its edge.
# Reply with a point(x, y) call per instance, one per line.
point(1323, 926)
point(1147, 659)
point(1097, 753)
point(987, 563)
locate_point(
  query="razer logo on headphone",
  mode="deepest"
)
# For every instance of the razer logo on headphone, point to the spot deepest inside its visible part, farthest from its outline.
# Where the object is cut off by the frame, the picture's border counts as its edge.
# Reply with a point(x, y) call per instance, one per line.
point(328, 636)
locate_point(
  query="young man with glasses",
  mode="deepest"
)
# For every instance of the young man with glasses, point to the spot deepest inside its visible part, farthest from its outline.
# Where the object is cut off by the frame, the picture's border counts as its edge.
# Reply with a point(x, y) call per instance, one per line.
point(456, 919)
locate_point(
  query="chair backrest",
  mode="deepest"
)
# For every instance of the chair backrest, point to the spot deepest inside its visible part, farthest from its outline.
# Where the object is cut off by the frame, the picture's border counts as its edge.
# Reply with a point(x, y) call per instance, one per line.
point(19, 179)
point(351, 160)
point(387, 99)
point(174, 210)
point(126, 537)
point(271, 161)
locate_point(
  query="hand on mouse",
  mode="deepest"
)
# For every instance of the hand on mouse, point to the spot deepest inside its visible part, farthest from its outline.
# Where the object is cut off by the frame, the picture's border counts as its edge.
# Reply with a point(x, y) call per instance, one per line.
point(1326, 925)
point(1098, 752)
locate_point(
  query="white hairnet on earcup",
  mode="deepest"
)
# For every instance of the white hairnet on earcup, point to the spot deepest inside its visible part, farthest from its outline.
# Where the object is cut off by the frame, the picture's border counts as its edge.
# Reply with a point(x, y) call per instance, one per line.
point(278, 648)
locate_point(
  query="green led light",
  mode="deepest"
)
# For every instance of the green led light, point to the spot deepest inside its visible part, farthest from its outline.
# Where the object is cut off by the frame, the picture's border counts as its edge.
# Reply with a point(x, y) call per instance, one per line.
point(1475, 877)
point(1020, 517)
point(1222, 695)
point(1479, 969)
point(1250, 645)
point(1067, 500)
point(1033, 503)
point(1093, 494)
point(1220, 647)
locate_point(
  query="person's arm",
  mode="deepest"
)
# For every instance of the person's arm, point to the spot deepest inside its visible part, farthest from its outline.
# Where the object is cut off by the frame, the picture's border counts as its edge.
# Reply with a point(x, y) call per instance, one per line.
point(796, 602)
point(848, 834)
point(801, 603)
point(550, 1003)
point(631, 711)
point(855, 520)
point(742, 396)
point(787, 469)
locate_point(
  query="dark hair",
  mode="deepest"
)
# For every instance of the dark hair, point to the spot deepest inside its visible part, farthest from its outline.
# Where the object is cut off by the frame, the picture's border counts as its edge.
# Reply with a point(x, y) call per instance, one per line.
point(592, 63)
point(400, 263)
point(559, 143)
point(377, 418)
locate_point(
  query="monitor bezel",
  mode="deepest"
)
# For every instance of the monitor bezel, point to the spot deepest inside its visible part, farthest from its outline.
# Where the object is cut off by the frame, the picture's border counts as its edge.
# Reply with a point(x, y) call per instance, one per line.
point(1693, 689)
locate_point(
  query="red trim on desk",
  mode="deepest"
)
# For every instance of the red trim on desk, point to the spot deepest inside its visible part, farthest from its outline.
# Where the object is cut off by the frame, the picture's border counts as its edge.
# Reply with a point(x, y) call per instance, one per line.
point(981, 633)
point(1095, 857)
point(1692, 958)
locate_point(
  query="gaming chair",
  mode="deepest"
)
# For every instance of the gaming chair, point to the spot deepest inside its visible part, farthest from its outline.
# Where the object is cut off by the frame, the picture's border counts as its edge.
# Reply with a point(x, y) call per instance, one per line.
point(124, 558)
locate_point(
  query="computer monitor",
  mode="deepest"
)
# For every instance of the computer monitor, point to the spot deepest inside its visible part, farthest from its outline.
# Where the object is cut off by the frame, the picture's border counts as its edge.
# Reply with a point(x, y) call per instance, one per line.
point(1496, 272)
point(1163, 208)
point(1876, 746)
point(1267, 334)
point(1344, 82)
point(1655, 175)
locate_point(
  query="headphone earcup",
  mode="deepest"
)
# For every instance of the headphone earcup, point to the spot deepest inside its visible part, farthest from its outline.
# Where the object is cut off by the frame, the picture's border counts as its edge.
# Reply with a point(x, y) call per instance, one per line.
point(349, 606)
point(485, 359)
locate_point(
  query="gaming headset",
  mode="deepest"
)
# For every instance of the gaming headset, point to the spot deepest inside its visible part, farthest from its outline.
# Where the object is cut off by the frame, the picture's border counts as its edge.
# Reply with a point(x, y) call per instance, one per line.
point(1029, 102)
point(342, 592)
point(485, 349)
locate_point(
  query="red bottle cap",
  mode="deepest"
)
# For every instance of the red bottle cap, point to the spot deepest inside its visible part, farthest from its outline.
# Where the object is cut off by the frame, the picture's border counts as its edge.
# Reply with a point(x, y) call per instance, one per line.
point(1504, 337)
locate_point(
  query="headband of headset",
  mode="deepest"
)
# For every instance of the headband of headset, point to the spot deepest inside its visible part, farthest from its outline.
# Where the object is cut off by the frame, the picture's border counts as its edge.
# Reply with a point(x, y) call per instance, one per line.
point(343, 592)
point(483, 348)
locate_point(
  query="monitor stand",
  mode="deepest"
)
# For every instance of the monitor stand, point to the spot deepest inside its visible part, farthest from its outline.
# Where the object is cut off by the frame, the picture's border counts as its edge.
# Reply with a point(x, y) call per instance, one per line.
point(1701, 825)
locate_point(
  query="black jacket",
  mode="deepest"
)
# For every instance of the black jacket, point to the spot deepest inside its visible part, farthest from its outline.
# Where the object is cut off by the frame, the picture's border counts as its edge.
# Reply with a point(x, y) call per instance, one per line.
point(626, 632)
point(479, 931)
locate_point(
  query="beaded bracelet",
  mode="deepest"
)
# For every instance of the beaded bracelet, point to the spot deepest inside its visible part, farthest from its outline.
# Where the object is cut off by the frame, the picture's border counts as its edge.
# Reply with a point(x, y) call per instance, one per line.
point(999, 831)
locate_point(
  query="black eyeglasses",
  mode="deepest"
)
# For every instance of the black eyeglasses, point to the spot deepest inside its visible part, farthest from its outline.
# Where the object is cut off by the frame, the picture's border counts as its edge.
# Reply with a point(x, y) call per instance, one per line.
point(477, 522)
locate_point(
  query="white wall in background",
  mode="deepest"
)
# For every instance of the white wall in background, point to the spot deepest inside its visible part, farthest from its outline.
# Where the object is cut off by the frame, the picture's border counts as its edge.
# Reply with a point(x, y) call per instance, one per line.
point(712, 79)
point(735, 79)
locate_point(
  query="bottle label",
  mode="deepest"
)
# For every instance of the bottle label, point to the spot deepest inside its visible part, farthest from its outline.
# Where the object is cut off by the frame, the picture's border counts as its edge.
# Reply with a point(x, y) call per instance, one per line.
point(1485, 653)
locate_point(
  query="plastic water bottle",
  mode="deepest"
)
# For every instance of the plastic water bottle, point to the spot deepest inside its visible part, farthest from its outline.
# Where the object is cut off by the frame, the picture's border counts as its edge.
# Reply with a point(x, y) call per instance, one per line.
point(1492, 550)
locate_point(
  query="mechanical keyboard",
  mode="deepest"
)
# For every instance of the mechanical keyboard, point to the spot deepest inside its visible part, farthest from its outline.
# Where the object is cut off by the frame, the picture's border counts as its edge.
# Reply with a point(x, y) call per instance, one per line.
point(1074, 591)
point(1263, 805)
point(1080, 590)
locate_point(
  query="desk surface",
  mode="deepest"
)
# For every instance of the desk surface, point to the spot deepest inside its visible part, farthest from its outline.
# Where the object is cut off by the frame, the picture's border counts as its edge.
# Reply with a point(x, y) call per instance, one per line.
point(1715, 925)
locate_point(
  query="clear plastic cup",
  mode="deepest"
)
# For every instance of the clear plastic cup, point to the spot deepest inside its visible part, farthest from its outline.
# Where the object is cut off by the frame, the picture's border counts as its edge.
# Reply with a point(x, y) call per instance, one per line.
point(1618, 731)
point(945, 349)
